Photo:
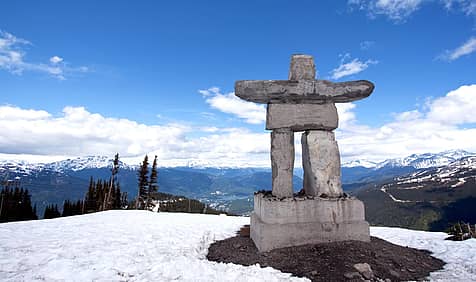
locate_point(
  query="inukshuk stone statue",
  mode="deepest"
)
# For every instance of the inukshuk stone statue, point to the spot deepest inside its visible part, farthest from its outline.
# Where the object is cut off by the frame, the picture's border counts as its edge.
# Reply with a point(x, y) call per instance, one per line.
point(324, 213)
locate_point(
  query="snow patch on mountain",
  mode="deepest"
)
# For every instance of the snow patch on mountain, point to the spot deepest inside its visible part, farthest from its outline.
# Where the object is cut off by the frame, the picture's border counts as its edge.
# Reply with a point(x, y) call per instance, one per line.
point(74, 164)
point(418, 161)
point(455, 174)
point(81, 163)
point(20, 166)
point(360, 163)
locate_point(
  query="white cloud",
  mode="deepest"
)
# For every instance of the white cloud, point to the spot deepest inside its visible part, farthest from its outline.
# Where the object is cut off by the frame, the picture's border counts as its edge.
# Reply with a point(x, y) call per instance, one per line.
point(352, 67)
point(399, 10)
point(346, 115)
point(396, 10)
point(228, 103)
point(366, 45)
point(78, 132)
point(56, 60)
point(457, 107)
point(444, 124)
point(10, 113)
point(467, 6)
point(12, 59)
point(465, 49)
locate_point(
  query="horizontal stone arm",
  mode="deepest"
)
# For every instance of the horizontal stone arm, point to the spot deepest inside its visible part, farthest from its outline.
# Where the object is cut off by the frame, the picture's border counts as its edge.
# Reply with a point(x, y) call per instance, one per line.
point(302, 91)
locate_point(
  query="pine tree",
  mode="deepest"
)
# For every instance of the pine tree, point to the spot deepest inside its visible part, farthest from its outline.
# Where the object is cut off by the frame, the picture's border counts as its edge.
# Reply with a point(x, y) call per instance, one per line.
point(89, 200)
point(51, 211)
point(108, 201)
point(153, 187)
point(143, 184)
point(67, 208)
point(15, 204)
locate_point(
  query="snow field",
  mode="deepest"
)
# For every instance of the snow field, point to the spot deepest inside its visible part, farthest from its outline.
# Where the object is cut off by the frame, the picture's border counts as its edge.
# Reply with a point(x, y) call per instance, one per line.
point(146, 246)
point(460, 256)
point(123, 246)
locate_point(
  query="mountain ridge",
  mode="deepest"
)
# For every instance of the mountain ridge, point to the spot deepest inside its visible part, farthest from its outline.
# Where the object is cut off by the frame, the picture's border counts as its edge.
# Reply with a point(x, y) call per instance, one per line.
point(417, 161)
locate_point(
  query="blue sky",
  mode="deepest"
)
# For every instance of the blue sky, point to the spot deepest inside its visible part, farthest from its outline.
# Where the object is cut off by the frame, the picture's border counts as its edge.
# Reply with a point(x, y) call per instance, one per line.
point(98, 77)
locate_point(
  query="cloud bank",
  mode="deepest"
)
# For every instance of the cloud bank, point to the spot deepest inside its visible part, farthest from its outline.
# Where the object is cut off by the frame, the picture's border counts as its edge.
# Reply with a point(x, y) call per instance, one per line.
point(443, 123)
point(78, 132)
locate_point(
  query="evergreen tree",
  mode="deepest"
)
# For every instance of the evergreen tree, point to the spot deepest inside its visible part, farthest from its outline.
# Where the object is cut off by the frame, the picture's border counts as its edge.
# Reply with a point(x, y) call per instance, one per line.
point(90, 201)
point(108, 199)
point(143, 184)
point(51, 211)
point(153, 186)
point(67, 208)
point(15, 204)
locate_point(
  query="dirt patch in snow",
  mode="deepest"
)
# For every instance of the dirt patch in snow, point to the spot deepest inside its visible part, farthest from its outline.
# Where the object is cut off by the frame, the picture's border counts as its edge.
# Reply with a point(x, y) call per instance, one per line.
point(332, 261)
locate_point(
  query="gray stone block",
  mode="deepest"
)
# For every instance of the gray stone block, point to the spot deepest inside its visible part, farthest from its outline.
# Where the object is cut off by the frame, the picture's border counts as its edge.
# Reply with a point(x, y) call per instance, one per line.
point(273, 210)
point(302, 68)
point(321, 164)
point(282, 162)
point(300, 117)
point(302, 91)
point(293, 222)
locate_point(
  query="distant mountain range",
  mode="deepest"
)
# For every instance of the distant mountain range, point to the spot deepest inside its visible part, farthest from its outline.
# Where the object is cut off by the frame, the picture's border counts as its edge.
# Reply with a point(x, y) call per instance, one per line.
point(416, 160)
point(225, 188)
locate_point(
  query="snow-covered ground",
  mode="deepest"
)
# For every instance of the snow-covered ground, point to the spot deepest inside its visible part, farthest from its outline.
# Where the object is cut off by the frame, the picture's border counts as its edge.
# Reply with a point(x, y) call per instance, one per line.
point(146, 246)
point(460, 256)
point(123, 246)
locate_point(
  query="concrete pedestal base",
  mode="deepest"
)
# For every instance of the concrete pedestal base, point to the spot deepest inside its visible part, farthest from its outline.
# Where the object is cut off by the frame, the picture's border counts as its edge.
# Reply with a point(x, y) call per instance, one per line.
point(290, 222)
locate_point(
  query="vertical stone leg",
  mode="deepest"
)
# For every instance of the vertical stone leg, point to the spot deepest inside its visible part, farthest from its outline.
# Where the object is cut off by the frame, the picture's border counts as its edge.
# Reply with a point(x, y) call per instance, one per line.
point(321, 164)
point(282, 162)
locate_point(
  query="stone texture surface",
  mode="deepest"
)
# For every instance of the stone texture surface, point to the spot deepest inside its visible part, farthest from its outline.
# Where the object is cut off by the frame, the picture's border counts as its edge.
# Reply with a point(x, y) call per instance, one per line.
point(290, 222)
point(365, 270)
point(304, 210)
point(300, 117)
point(282, 162)
point(302, 68)
point(321, 163)
point(302, 91)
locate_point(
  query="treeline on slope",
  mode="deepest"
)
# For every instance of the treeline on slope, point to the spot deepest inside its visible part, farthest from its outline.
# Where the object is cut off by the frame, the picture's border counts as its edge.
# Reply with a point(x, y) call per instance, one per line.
point(461, 231)
point(435, 207)
point(148, 197)
point(171, 203)
point(102, 195)
point(15, 203)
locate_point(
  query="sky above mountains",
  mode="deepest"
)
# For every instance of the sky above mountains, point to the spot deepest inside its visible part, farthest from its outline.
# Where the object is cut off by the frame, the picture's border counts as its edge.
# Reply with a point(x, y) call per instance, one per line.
point(96, 78)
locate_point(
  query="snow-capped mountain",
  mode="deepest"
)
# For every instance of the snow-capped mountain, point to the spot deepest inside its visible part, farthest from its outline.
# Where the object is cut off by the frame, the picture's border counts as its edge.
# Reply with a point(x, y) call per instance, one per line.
point(454, 174)
point(75, 164)
point(20, 167)
point(417, 161)
point(81, 163)
point(360, 163)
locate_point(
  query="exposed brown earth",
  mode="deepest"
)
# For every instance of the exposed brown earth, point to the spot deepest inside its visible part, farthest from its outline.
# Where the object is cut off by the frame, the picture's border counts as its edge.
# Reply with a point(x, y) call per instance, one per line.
point(332, 261)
